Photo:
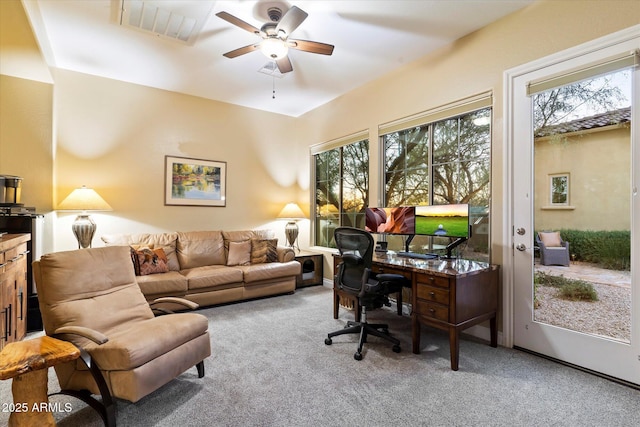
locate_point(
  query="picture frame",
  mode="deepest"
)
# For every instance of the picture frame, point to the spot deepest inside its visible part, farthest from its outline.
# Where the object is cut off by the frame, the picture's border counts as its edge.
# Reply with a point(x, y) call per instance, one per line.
point(194, 182)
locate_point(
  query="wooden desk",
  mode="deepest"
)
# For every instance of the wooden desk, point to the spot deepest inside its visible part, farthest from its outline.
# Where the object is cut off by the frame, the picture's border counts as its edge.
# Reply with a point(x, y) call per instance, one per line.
point(27, 363)
point(449, 295)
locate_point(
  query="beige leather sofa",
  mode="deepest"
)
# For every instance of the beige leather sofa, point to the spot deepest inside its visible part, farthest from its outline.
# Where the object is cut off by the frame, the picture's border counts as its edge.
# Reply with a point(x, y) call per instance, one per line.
point(215, 267)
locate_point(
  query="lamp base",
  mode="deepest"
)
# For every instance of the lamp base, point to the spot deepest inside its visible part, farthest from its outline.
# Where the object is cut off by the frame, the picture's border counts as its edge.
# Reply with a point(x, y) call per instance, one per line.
point(291, 232)
point(83, 228)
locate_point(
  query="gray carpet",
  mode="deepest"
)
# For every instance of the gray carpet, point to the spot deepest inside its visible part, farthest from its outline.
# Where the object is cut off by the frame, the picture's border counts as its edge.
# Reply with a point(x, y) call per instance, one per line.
point(270, 367)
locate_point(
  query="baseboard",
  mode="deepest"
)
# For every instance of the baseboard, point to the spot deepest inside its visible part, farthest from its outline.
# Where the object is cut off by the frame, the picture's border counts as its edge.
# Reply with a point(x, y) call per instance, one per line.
point(580, 368)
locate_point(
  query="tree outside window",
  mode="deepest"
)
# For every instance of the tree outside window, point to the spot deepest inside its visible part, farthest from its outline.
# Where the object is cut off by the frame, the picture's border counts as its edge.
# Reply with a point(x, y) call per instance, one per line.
point(342, 189)
point(458, 172)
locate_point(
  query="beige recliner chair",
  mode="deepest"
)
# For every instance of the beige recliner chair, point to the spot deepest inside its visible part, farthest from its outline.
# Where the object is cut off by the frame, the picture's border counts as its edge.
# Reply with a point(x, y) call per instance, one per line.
point(90, 297)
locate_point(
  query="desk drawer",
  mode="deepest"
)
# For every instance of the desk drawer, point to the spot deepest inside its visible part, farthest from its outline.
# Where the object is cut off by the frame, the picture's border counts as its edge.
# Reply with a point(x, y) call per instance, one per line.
point(434, 294)
point(441, 282)
point(434, 310)
point(390, 270)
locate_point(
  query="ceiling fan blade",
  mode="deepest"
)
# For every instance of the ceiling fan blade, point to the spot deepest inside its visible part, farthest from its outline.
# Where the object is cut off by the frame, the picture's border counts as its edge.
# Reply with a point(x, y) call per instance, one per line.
point(237, 22)
point(291, 20)
point(284, 65)
point(242, 50)
point(313, 47)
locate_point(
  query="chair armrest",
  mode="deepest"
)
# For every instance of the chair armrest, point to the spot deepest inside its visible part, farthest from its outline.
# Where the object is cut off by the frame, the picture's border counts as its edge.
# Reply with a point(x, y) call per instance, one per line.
point(285, 254)
point(88, 333)
point(159, 305)
point(181, 301)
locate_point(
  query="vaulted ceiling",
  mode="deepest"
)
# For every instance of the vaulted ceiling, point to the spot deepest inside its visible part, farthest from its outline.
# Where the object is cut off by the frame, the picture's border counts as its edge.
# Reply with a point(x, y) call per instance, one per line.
point(371, 38)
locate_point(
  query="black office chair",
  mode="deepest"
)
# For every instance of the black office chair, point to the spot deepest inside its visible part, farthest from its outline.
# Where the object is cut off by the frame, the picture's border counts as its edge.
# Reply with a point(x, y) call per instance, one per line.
point(354, 276)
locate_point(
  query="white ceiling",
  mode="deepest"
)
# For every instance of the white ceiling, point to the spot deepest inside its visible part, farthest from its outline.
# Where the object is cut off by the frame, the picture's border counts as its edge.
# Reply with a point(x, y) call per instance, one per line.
point(371, 38)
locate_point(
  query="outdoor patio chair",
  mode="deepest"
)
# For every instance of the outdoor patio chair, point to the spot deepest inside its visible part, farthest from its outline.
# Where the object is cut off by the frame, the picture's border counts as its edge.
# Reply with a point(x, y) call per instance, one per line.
point(553, 250)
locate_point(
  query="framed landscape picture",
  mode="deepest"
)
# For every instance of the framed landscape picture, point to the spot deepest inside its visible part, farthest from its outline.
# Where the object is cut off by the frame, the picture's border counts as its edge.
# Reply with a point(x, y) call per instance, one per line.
point(194, 182)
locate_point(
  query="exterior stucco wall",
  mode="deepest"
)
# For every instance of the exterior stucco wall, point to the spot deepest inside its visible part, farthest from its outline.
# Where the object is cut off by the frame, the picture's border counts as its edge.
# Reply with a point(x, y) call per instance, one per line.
point(599, 165)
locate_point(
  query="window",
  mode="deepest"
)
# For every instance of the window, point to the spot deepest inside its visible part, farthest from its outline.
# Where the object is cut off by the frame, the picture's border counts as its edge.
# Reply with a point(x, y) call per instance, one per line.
point(559, 190)
point(406, 167)
point(342, 189)
point(447, 161)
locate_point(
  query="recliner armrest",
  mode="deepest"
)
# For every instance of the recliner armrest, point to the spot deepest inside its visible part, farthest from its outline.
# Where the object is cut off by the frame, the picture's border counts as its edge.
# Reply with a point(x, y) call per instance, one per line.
point(175, 300)
point(88, 333)
point(163, 305)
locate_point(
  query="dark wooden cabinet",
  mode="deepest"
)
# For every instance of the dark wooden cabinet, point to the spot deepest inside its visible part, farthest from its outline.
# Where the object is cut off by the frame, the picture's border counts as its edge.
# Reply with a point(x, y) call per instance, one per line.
point(13, 287)
point(454, 302)
point(312, 269)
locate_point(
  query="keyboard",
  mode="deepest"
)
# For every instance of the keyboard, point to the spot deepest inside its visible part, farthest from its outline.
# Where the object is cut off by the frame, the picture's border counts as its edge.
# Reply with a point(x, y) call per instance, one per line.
point(417, 255)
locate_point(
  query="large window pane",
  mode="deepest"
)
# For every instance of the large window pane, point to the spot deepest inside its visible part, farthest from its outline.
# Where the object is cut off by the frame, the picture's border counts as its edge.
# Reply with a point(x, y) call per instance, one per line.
point(458, 172)
point(342, 189)
point(406, 162)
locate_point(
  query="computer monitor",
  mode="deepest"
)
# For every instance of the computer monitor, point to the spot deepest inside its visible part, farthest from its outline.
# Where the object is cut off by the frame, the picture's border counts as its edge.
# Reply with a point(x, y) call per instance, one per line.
point(399, 220)
point(444, 221)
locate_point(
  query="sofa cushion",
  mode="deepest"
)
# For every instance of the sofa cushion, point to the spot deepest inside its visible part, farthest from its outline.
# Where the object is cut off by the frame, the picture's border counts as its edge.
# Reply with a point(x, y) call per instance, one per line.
point(264, 250)
point(239, 253)
point(129, 347)
point(166, 241)
point(200, 248)
point(256, 273)
point(171, 283)
point(149, 261)
point(212, 276)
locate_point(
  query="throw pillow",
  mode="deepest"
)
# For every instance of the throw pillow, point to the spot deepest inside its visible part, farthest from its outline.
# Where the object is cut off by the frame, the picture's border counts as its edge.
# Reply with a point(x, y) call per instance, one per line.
point(550, 239)
point(149, 261)
point(239, 253)
point(264, 250)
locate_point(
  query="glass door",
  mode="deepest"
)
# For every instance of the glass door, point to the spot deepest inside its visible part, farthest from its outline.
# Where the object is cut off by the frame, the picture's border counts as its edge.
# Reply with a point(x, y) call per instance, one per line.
point(575, 209)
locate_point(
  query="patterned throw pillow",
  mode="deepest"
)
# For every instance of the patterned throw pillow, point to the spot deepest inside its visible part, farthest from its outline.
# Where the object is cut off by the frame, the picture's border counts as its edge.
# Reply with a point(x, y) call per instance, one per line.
point(239, 253)
point(264, 250)
point(147, 260)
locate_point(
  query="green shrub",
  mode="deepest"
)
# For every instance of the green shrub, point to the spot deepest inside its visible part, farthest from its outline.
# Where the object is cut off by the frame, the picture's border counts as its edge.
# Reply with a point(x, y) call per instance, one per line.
point(569, 289)
point(578, 290)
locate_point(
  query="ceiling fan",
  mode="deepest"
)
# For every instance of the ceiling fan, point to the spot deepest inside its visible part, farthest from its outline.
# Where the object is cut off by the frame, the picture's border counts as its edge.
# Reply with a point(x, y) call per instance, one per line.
point(275, 43)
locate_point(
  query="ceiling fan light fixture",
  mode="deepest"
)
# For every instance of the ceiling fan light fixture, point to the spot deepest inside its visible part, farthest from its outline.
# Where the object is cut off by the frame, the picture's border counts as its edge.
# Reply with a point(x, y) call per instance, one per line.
point(274, 48)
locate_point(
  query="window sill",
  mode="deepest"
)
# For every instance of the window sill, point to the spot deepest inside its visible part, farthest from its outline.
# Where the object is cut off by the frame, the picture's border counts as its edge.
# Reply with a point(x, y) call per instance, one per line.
point(558, 208)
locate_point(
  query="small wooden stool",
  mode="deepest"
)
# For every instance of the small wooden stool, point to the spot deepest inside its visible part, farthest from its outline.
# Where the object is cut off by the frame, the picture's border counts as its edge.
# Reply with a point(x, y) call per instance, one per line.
point(27, 362)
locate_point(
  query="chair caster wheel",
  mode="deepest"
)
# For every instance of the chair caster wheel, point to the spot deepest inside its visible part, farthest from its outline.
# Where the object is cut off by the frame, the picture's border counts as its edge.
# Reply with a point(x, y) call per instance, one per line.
point(357, 356)
point(328, 341)
point(396, 349)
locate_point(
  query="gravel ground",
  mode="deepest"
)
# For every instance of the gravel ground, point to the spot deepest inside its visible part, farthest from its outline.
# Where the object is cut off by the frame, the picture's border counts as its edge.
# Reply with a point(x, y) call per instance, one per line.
point(610, 316)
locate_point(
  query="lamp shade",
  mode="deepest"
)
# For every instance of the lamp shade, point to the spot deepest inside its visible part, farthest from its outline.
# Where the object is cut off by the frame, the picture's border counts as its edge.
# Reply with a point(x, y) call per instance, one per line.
point(291, 211)
point(84, 199)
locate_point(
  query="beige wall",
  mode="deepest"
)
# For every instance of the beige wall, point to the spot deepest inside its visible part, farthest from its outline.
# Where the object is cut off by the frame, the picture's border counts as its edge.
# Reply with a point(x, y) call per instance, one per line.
point(599, 168)
point(113, 136)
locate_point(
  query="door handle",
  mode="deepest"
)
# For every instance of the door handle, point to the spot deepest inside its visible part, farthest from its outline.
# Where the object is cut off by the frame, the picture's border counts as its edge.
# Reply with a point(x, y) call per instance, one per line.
point(521, 247)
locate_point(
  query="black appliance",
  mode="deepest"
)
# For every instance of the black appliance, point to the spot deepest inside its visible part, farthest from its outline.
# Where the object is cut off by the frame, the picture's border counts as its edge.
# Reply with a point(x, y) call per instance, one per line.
point(24, 220)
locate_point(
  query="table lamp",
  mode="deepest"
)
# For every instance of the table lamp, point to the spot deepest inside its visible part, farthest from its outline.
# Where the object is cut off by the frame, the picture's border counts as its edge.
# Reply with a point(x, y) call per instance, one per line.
point(293, 213)
point(84, 199)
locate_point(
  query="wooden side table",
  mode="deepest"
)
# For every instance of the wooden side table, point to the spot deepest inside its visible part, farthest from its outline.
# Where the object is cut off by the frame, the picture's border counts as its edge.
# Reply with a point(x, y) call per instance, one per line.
point(312, 269)
point(27, 362)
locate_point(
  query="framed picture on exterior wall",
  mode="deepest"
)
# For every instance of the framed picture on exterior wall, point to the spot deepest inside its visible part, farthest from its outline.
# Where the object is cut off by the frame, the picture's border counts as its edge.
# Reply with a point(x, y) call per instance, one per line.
point(194, 182)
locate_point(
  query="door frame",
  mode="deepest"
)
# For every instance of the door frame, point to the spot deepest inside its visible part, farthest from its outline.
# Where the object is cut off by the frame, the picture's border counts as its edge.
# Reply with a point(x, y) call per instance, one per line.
point(512, 88)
